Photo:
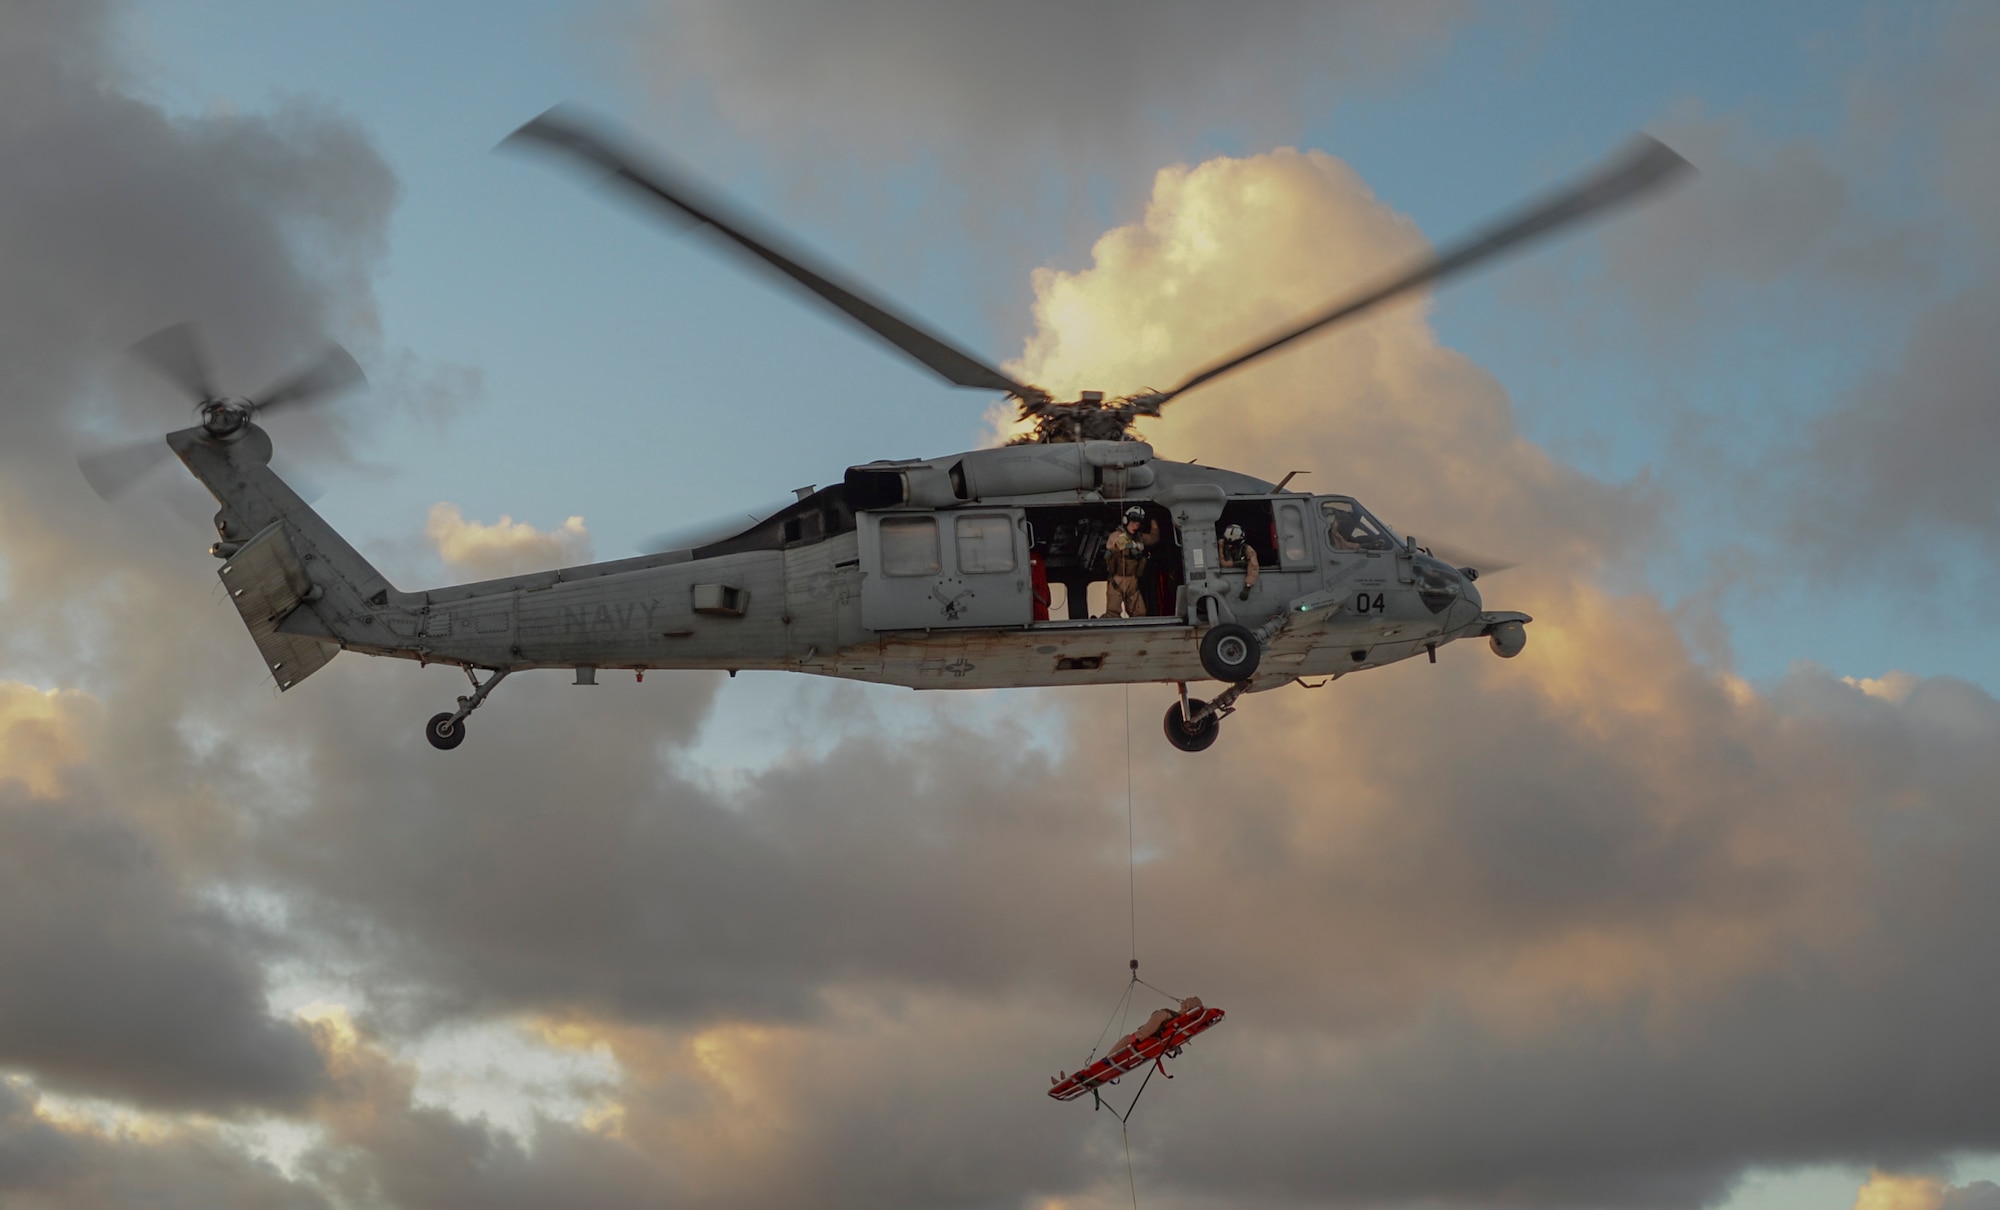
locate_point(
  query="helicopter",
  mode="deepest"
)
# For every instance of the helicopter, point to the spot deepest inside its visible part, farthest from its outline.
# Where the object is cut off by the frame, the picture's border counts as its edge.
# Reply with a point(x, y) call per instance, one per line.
point(932, 573)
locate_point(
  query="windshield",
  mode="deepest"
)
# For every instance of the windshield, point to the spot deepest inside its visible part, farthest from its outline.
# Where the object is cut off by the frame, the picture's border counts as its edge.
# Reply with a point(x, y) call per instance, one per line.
point(1351, 527)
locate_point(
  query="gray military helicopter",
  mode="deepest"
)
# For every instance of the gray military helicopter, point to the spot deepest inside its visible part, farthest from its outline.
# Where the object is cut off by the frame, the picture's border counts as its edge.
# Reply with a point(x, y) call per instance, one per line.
point(936, 573)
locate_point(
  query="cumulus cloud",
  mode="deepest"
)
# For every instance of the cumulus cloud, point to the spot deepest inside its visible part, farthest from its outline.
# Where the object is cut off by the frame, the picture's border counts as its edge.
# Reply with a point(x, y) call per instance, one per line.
point(1233, 249)
point(1890, 1191)
point(506, 547)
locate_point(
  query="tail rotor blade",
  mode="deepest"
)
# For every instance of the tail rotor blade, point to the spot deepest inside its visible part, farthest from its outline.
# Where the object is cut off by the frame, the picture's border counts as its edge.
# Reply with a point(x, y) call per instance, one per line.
point(334, 372)
point(112, 471)
point(175, 353)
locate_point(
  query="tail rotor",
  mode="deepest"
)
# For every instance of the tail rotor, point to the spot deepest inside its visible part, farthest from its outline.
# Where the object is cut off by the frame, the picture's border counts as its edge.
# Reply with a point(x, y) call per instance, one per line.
point(176, 355)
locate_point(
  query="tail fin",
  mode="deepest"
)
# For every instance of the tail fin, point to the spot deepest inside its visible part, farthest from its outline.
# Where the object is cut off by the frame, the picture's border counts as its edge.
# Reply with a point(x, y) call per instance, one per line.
point(290, 574)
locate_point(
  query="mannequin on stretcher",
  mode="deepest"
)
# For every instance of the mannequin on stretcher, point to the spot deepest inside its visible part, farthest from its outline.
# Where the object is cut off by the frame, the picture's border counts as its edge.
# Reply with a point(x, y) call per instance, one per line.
point(1160, 1038)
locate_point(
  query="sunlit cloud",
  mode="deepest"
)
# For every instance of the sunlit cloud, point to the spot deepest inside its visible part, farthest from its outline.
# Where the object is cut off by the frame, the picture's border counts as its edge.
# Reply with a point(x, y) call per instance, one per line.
point(505, 547)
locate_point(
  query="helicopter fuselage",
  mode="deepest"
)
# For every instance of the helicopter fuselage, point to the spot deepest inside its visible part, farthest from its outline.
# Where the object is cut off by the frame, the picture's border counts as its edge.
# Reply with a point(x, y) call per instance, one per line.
point(947, 576)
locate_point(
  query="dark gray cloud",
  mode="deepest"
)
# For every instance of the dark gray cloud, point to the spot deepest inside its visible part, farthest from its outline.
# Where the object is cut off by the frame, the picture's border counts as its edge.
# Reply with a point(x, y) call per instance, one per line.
point(119, 973)
point(1979, 1195)
point(1908, 457)
point(45, 1166)
point(1633, 937)
point(985, 88)
point(1016, 123)
point(116, 980)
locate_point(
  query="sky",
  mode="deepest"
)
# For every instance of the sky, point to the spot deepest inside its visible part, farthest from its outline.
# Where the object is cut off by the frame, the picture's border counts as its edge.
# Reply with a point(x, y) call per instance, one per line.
point(1688, 906)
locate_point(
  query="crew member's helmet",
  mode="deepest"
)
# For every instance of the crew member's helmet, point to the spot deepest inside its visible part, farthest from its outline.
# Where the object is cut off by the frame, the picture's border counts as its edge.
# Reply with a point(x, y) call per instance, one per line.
point(1233, 534)
point(1135, 513)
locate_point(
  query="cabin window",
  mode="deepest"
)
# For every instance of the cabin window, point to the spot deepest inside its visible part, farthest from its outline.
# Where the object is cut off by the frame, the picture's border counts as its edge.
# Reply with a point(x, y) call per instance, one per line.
point(909, 546)
point(806, 527)
point(985, 544)
point(1294, 544)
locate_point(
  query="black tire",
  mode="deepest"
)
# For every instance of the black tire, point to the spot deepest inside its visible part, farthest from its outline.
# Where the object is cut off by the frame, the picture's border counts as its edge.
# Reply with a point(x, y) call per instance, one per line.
point(1230, 653)
point(1197, 738)
point(445, 732)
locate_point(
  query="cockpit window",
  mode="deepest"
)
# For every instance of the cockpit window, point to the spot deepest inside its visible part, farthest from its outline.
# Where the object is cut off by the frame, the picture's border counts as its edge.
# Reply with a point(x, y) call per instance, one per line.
point(1350, 527)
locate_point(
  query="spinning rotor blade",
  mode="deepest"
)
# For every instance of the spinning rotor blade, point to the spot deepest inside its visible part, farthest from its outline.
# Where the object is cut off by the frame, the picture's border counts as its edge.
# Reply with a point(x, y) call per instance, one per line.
point(176, 354)
point(1649, 164)
point(685, 197)
point(110, 472)
point(334, 372)
point(1464, 558)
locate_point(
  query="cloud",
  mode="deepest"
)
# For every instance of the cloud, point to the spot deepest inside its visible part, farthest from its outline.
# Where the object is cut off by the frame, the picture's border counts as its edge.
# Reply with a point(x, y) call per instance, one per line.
point(1901, 459)
point(46, 1164)
point(125, 971)
point(1026, 119)
point(1458, 914)
point(1594, 926)
point(1812, 315)
point(505, 548)
point(897, 78)
point(114, 979)
point(1889, 1191)
point(1235, 248)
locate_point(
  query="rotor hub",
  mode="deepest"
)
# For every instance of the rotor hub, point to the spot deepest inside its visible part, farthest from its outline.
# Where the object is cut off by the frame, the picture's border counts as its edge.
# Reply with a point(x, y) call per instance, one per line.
point(225, 416)
point(1089, 418)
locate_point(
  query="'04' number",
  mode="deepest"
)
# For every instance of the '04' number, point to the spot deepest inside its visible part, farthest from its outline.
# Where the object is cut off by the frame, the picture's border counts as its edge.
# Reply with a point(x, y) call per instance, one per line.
point(1363, 603)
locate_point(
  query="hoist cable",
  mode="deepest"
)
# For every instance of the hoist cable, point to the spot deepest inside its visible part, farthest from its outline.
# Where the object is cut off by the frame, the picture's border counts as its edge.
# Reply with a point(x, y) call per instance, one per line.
point(1131, 858)
point(1132, 915)
point(1129, 1178)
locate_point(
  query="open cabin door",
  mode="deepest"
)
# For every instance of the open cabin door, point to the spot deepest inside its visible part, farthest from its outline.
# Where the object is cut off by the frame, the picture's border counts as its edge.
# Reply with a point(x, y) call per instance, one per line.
point(944, 569)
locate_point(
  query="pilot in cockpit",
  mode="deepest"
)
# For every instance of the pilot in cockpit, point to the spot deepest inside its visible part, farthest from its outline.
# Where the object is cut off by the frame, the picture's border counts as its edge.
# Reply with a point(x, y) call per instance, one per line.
point(1349, 528)
point(1237, 552)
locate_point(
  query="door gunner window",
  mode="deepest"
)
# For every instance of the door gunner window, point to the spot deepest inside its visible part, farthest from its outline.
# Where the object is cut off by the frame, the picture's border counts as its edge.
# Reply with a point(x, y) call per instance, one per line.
point(909, 546)
point(985, 544)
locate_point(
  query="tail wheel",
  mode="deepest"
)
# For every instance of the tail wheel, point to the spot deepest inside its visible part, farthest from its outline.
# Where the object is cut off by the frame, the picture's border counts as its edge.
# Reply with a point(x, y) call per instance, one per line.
point(1196, 737)
point(445, 731)
point(1229, 652)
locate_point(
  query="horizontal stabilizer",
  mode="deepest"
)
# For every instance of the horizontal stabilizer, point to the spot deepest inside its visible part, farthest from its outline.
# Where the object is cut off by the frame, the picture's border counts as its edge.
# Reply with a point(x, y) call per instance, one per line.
point(266, 581)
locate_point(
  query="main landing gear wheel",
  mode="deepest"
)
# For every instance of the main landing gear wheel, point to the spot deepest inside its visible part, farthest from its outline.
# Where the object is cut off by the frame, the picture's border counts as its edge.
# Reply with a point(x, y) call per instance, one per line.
point(1198, 736)
point(445, 731)
point(1230, 653)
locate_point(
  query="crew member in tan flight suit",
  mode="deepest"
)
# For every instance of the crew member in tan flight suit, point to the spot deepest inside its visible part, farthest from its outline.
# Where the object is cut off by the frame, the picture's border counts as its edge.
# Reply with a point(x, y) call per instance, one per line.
point(1125, 555)
point(1237, 552)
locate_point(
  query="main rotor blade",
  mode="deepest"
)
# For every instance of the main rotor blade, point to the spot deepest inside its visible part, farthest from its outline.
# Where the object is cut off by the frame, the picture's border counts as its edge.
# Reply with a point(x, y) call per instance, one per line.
point(176, 354)
point(1460, 557)
point(110, 472)
point(685, 197)
point(1649, 164)
point(334, 372)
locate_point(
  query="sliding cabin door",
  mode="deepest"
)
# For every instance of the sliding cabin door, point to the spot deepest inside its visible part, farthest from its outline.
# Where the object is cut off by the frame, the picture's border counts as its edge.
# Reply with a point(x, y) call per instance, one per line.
point(922, 571)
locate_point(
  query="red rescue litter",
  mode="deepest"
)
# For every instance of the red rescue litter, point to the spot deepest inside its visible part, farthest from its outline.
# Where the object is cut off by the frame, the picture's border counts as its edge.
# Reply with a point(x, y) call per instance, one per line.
point(1161, 1037)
